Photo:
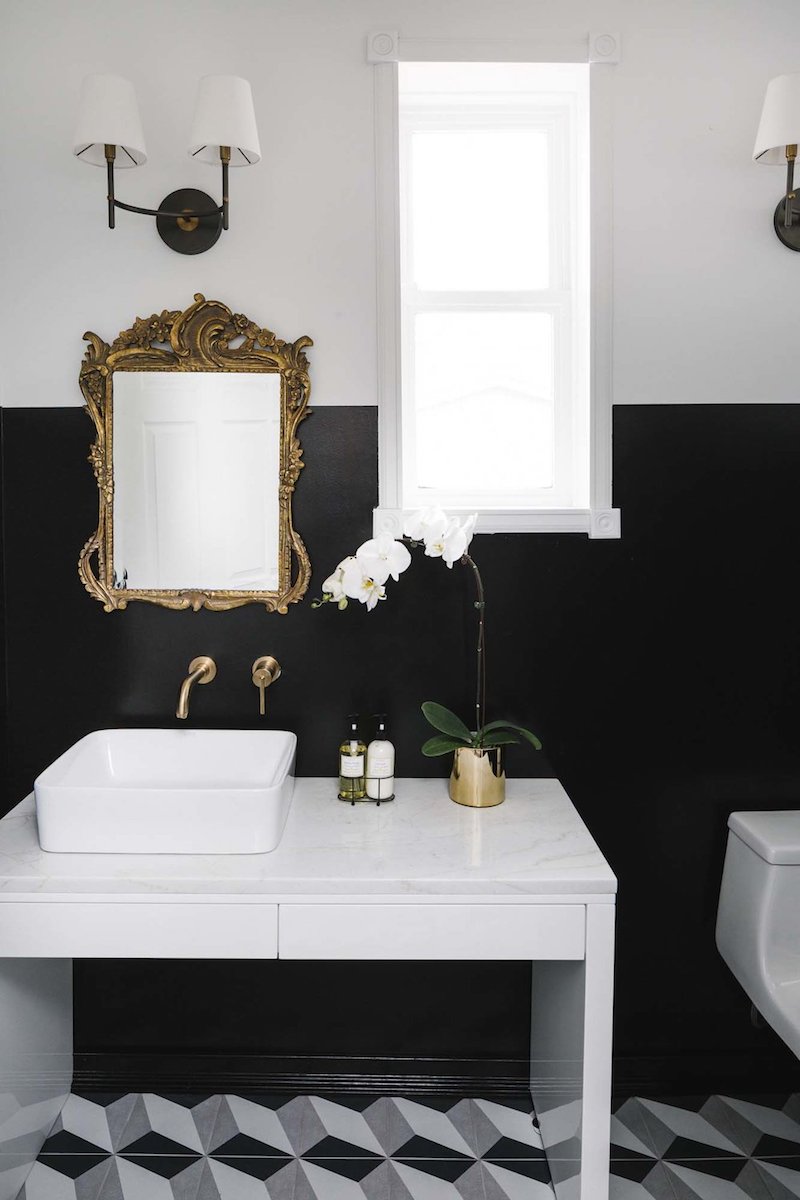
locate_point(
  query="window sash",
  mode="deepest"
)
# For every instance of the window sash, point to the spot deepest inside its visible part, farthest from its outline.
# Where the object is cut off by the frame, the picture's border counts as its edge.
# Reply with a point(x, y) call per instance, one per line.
point(556, 496)
point(556, 119)
point(551, 121)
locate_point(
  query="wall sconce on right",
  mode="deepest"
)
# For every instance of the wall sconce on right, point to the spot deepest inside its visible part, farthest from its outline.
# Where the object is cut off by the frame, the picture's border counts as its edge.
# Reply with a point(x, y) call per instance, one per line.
point(776, 143)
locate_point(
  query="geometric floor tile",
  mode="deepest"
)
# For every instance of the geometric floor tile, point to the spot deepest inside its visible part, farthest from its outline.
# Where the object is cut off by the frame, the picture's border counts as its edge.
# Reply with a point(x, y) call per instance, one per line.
point(228, 1147)
point(782, 1182)
point(561, 1123)
point(689, 1182)
point(346, 1126)
point(630, 1137)
point(767, 1120)
point(654, 1185)
point(516, 1129)
point(717, 1148)
point(430, 1127)
point(674, 1124)
point(258, 1147)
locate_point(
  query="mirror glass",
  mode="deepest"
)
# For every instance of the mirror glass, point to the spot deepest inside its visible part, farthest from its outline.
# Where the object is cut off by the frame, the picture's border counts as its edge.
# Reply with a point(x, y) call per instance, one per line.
point(196, 457)
point(196, 480)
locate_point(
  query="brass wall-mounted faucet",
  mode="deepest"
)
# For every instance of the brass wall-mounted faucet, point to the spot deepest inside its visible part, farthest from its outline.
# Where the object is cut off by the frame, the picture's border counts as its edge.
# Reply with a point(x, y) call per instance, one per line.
point(201, 670)
point(265, 671)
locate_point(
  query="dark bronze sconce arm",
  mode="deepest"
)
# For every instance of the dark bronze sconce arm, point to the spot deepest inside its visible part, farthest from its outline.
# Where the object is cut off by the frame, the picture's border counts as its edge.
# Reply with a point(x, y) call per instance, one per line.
point(184, 220)
point(787, 216)
point(791, 155)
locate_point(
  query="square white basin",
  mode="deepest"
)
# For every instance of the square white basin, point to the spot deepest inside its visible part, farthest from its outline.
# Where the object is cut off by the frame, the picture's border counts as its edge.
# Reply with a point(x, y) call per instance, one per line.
point(168, 791)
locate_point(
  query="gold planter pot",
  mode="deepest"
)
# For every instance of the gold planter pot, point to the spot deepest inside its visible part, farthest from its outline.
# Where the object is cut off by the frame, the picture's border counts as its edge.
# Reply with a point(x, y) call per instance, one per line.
point(478, 778)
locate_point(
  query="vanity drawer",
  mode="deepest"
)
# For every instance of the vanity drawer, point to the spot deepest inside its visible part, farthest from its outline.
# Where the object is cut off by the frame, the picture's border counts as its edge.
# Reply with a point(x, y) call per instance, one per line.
point(137, 930)
point(432, 931)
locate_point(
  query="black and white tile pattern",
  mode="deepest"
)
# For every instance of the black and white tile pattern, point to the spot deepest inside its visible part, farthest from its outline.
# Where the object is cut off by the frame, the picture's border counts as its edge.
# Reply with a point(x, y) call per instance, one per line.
point(256, 1147)
point(151, 1147)
point(706, 1148)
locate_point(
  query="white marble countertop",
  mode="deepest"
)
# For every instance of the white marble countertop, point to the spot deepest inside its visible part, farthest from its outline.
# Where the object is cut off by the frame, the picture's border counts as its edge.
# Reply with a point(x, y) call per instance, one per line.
point(421, 844)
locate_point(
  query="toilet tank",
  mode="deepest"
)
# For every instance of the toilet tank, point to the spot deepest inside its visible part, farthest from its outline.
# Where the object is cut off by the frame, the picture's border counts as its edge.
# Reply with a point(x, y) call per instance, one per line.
point(758, 919)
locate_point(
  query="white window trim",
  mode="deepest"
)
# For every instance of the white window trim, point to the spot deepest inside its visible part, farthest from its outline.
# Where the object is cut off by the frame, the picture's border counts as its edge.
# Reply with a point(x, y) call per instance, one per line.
point(385, 50)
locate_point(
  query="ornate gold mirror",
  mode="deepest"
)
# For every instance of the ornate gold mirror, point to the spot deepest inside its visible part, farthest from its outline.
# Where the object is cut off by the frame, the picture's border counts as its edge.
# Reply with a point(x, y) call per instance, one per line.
point(196, 457)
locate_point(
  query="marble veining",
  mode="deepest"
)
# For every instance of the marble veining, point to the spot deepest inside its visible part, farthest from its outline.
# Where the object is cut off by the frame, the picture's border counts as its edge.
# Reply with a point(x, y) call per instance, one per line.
point(421, 844)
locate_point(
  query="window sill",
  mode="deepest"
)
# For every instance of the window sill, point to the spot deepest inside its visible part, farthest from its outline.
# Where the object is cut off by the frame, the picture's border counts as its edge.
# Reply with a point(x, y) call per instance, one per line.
point(597, 523)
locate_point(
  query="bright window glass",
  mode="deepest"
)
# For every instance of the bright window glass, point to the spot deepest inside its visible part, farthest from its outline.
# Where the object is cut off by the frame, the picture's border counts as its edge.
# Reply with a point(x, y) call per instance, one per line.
point(467, 401)
point(479, 209)
point(494, 215)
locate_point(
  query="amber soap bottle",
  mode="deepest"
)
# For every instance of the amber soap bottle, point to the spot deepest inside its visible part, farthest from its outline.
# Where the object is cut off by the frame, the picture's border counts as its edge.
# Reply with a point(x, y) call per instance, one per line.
point(352, 760)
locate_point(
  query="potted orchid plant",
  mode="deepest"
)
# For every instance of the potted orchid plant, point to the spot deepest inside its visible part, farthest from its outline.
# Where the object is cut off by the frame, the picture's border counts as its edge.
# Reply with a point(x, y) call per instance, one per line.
point(478, 775)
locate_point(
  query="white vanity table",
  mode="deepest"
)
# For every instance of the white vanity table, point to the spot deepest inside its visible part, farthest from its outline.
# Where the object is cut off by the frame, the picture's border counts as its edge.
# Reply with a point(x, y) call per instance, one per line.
point(419, 878)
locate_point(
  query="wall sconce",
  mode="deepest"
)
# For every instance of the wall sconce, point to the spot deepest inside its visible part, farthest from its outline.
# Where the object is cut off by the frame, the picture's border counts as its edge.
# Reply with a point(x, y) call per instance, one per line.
point(224, 131)
point(776, 143)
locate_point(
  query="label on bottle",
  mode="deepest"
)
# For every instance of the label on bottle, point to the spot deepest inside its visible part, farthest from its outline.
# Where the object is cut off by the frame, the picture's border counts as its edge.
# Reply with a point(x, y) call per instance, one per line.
point(351, 766)
point(380, 766)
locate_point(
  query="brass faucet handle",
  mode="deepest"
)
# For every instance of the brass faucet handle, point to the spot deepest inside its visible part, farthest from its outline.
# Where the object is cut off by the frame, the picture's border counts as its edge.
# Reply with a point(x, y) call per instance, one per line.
point(266, 670)
point(206, 665)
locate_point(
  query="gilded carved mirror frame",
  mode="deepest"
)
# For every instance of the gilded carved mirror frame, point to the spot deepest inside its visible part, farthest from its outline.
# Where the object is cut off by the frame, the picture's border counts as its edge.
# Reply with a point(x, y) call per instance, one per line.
point(198, 339)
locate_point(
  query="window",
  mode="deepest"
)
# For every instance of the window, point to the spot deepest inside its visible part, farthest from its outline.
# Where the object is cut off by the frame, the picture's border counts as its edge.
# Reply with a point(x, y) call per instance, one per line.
point(493, 284)
point(485, 289)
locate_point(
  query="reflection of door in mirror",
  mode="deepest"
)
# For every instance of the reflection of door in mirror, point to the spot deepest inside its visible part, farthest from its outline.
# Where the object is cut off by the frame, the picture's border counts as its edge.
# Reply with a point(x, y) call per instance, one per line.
point(196, 471)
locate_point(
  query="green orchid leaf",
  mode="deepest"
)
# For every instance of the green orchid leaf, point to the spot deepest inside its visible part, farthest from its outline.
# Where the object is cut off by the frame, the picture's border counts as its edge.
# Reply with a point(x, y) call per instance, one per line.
point(529, 737)
point(443, 719)
point(499, 739)
point(440, 745)
point(526, 733)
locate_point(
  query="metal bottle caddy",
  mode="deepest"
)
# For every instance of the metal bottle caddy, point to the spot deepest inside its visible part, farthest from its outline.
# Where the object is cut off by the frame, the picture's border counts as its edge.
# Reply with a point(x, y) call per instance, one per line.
point(353, 801)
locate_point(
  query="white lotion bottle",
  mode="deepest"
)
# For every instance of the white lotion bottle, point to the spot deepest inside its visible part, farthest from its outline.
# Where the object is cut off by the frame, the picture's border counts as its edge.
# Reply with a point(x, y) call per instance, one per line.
point(380, 765)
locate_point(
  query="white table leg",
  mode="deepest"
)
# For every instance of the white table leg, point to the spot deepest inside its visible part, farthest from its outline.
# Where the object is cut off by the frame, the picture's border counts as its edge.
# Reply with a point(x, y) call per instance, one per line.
point(35, 1060)
point(571, 1031)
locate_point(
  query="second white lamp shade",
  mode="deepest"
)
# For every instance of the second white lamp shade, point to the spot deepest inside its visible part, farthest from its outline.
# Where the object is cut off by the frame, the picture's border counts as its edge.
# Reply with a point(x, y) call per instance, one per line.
point(109, 115)
point(224, 116)
point(780, 120)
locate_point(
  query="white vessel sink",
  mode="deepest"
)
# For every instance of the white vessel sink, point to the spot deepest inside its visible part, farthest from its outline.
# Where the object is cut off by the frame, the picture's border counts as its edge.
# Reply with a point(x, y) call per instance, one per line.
point(168, 791)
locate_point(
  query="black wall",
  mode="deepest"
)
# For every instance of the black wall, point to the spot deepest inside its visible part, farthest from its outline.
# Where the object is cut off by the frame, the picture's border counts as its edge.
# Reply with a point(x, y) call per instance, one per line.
point(660, 670)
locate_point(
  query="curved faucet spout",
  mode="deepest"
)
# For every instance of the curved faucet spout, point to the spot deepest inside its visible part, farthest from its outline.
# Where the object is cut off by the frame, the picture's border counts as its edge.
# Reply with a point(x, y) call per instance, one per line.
point(201, 670)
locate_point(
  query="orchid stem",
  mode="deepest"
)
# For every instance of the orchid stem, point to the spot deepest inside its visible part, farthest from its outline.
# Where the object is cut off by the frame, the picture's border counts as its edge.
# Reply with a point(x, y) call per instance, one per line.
point(480, 682)
point(480, 604)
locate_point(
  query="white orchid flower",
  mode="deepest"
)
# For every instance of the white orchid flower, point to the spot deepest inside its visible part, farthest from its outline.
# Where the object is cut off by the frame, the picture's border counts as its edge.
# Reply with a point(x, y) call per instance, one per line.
point(358, 585)
point(333, 585)
point(362, 576)
point(469, 527)
point(427, 525)
point(450, 545)
point(383, 557)
point(454, 543)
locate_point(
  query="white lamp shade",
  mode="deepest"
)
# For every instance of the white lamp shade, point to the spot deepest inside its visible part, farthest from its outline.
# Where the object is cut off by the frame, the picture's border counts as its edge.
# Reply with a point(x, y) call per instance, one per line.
point(224, 116)
point(109, 115)
point(780, 120)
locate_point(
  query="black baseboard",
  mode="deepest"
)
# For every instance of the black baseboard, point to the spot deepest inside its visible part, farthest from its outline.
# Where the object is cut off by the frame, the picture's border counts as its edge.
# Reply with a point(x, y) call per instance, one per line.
point(296, 1074)
point(682, 1075)
point(737, 1073)
point(646, 1076)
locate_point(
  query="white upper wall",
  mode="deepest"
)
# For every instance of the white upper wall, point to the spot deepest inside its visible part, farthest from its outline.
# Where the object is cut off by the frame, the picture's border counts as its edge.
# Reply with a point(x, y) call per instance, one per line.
point(705, 295)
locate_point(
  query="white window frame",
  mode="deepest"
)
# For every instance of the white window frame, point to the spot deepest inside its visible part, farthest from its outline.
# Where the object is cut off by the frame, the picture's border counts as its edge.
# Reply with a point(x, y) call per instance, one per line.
point(385, 50)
